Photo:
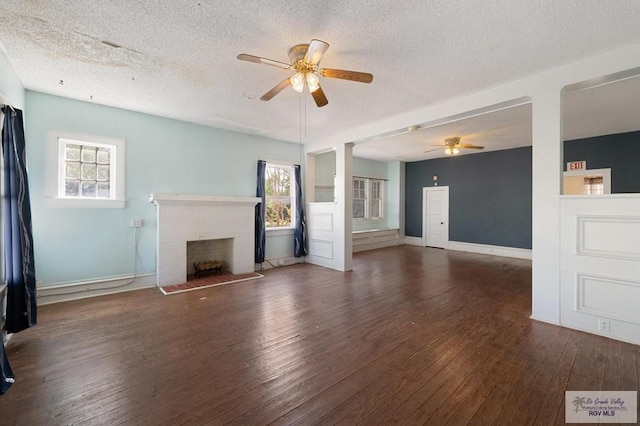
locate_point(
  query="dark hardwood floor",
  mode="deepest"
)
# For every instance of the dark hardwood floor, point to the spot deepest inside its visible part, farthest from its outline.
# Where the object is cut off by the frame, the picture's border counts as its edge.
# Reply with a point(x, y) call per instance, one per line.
point(411, 335)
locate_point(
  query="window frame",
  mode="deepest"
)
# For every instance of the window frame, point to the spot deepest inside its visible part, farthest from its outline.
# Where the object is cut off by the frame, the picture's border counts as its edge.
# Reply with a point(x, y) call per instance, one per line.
point(55, 166)
point(369, 184)
point(291, 197)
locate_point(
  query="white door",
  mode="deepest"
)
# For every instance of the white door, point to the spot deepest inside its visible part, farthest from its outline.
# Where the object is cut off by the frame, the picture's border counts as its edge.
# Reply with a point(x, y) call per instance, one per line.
point(435, 216)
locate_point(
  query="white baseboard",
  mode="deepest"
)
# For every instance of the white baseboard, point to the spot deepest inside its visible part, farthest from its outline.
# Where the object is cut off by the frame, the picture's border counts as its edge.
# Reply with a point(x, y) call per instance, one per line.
point(413, 241)
point(277, 262)
point(81, 290)
point(545, 320)
point(600, 333)
point(517, 253)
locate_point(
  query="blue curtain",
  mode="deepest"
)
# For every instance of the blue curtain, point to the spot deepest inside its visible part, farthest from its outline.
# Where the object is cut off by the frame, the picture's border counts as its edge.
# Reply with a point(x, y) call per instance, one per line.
point(260, 212)
point(7, 378)
point(299, 238)
point(18, 240)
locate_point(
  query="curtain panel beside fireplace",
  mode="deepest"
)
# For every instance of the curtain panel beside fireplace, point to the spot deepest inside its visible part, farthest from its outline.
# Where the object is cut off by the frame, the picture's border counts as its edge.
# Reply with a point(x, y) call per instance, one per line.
point(299, 239)
point(260, 212)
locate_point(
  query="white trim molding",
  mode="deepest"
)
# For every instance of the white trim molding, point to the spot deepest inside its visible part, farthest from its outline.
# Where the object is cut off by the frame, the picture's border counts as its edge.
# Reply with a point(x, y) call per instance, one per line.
point(194, 200)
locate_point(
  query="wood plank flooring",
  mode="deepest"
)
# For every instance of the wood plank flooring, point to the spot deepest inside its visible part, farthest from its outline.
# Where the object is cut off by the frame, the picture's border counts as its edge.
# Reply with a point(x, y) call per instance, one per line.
point(411, 336)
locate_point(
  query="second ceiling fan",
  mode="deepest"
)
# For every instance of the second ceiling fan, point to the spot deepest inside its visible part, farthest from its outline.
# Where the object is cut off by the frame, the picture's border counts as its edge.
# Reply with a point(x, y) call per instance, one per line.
point(305, 60)
point(452, 146)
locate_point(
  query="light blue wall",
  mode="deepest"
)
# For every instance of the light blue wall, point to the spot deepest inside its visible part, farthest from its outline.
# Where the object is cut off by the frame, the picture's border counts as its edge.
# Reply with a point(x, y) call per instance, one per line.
point(10, 85)
point(162, 155)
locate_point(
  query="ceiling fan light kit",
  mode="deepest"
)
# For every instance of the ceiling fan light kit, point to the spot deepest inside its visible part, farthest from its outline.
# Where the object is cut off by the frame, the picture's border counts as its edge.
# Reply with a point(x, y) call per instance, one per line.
point(452, 146)
point(451, 151)
point(297, 82)
point(304, 60)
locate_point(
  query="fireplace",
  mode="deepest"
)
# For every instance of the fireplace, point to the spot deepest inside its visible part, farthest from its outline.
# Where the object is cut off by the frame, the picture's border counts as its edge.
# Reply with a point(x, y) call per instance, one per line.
point(200, 218)
point(209, 257)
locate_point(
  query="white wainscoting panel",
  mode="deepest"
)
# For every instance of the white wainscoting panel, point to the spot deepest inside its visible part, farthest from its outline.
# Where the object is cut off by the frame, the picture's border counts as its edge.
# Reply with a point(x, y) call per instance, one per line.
point(322, 248)
point(607, 297)
point(595, 231)
point(322, 222)
point(321, 229)
point(600, 265)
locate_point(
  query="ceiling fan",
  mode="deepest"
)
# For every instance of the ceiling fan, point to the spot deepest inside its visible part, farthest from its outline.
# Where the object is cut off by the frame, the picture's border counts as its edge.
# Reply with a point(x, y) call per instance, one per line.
point(452, 146)
point(305, 60)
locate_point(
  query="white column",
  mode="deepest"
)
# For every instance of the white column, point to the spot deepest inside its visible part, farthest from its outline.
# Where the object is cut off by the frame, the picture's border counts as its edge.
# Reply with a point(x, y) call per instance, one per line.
point(344, 207)
point(547, 153)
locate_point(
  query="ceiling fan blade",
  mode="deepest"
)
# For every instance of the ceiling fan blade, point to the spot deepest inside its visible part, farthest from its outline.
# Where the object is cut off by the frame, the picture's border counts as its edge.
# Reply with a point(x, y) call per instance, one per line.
point(259, 60)
point(469, 146)
point(277, 89)
point(431, 150)
point(315, 51)
point(360, 77)
point(319, 97)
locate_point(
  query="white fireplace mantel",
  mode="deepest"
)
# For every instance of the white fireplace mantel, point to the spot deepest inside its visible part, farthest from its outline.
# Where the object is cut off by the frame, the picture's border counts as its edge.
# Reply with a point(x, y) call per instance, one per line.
point(190, 199)
point(182, 218)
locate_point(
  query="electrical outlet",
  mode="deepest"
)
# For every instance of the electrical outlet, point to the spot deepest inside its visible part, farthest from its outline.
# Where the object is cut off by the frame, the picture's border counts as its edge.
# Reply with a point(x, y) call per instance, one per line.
point(603, 325)
point(136, 223)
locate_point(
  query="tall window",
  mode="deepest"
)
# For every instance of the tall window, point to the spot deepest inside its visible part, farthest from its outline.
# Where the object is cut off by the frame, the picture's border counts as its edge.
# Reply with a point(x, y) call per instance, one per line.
point(376, 199)
point(359, 198)
point(368, 198)
point(84, 170)
point(279, 196)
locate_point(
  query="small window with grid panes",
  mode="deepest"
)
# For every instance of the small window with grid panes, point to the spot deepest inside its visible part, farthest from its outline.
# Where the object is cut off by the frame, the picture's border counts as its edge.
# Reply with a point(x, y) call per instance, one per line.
point(87, 170)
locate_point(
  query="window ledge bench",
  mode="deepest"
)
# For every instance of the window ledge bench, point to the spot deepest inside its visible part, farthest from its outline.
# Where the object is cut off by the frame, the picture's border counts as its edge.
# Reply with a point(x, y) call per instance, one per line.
point(375, 238)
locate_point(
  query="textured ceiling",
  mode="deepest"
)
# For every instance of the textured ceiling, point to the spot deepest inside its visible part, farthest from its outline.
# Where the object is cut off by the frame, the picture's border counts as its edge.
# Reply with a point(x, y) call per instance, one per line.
point(178, 58)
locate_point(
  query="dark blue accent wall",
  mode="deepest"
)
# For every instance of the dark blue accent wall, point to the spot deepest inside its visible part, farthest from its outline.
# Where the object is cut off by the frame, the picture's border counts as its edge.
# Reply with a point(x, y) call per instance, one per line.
point(620, 153)
point(489, 196)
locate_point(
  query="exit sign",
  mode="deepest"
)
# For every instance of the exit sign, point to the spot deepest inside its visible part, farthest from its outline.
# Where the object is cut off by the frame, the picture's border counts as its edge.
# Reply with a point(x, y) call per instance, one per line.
point(577, 165)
